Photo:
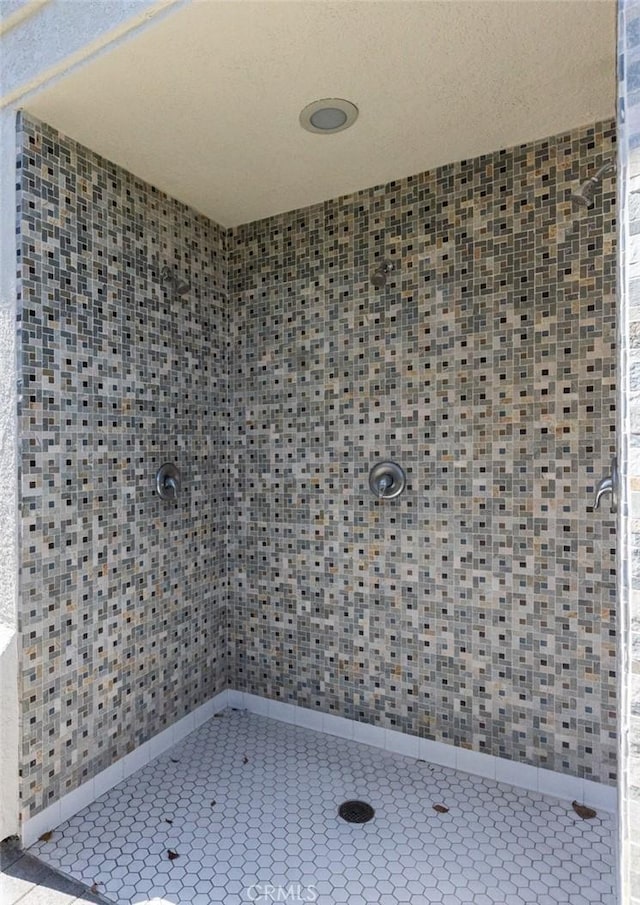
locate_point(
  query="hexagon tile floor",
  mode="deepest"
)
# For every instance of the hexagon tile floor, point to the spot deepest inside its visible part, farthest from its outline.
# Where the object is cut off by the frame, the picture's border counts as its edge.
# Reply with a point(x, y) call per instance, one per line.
point(249, 806)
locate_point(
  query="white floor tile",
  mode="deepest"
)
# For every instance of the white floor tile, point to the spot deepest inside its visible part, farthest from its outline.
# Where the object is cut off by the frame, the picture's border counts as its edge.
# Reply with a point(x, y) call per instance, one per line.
point(280, 710)
point(235, 699)
point(597, 795)
point(557, 785)
point(522, 775)
point(249, 805)
point(370, 735)
point(41, 823)
point(161, 742)
point(137, 759)
point(76, 800)
point(309, 719)
point(438, 753)
point(476, 763)
point(337, 725)
point(255, 704)
point(184, 727)
point(409, 745)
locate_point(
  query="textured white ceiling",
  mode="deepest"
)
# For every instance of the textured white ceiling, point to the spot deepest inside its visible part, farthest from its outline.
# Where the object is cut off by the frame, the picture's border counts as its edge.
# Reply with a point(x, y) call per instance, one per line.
point(205, 104)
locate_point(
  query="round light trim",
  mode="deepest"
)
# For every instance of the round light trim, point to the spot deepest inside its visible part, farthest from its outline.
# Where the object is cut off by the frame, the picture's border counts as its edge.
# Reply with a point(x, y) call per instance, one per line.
point(328, 119)
point(328, 115)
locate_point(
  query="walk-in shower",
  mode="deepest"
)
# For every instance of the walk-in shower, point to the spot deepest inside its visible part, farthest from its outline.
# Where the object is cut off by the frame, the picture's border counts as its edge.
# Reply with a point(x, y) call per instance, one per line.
point(293, 638)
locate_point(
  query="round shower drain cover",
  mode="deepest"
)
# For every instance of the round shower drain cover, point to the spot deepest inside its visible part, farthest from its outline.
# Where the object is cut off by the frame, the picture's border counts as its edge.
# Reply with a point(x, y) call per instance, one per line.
point(356, 811)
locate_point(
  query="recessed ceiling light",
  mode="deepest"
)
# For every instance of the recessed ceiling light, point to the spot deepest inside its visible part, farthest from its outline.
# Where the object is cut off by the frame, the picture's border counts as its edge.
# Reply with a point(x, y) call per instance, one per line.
point(328, 115)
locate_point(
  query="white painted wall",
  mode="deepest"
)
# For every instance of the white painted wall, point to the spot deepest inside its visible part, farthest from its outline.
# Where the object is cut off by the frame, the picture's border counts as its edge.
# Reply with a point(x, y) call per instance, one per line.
point(629, 453)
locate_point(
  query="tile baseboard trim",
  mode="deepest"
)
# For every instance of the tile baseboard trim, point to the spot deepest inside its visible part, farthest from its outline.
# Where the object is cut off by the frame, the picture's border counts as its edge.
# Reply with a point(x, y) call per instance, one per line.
point(522, 776)
point(74, 801)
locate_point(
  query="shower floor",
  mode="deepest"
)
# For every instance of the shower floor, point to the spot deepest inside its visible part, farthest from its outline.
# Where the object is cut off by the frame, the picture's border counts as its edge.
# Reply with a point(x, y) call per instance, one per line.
point(249, 806)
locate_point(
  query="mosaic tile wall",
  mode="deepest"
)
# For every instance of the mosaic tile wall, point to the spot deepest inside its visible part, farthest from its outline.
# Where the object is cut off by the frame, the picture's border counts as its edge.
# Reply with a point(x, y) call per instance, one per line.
point(123, 595)
point(478, 608)
point(629, 430)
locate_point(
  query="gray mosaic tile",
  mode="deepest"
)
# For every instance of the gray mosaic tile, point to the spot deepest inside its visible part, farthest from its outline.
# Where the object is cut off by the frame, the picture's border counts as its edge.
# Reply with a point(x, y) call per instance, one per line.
point(123, 595)
point(477, 608)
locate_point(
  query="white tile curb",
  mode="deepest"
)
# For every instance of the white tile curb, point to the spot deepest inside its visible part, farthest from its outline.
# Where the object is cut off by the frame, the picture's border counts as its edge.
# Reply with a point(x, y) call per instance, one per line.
point(87, 793)
point(523, 776)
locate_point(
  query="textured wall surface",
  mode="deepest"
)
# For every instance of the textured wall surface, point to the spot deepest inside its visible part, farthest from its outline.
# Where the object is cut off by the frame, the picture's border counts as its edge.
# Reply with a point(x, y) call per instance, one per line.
point(478, 608)
point(123, 596)
point(629, 426)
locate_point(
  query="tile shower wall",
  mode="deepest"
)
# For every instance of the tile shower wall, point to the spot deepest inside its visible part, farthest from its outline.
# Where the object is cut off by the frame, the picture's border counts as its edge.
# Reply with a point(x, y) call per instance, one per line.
point(123, 595)
point(478, 608)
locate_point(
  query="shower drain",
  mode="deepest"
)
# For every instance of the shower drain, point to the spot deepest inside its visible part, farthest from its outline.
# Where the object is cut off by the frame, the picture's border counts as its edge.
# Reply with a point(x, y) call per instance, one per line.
point(356, 811)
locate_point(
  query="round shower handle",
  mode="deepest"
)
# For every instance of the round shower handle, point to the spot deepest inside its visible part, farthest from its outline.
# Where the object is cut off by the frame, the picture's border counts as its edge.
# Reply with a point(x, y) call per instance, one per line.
point(387, 480)
point(168, 481)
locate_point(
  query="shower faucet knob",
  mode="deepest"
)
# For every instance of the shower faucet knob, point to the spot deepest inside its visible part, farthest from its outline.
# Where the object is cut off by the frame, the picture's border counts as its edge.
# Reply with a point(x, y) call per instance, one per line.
point(387, 480)
point(168, 481)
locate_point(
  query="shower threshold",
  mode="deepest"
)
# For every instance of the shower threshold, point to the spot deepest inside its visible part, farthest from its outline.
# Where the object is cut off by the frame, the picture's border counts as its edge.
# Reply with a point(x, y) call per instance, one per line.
point(245, 809)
